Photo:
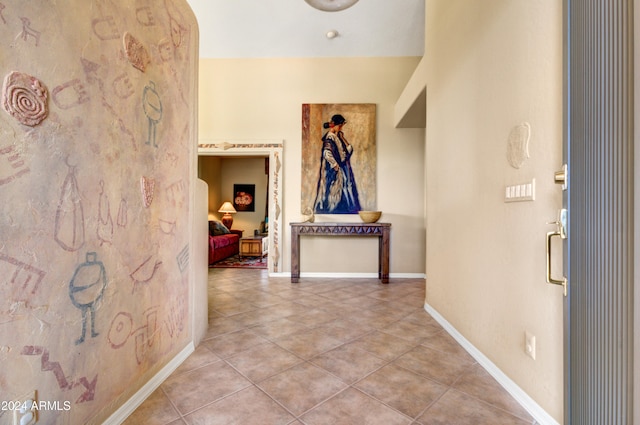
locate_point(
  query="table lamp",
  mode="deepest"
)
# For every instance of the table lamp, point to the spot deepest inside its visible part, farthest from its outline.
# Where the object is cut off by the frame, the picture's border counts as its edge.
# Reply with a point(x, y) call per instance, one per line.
point(227, 218)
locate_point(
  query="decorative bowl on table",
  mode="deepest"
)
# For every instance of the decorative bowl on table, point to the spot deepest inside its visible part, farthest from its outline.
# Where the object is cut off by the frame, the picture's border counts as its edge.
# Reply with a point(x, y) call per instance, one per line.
point(370, 216)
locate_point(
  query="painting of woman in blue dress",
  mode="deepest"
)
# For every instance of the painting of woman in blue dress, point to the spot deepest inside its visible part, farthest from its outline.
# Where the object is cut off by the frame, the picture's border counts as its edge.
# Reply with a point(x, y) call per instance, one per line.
point(337, 192)
point(338, 159)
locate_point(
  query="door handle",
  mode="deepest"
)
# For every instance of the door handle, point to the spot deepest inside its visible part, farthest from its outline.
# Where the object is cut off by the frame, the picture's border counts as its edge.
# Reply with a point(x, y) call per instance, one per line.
point(559, 232)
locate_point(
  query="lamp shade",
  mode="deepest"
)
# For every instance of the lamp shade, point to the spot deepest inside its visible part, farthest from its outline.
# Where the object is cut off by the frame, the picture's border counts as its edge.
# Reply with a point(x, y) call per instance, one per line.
point(227, 207)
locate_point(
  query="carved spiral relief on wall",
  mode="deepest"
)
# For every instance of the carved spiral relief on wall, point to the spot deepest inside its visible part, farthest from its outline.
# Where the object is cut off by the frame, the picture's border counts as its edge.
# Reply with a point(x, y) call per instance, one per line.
point(25, 98)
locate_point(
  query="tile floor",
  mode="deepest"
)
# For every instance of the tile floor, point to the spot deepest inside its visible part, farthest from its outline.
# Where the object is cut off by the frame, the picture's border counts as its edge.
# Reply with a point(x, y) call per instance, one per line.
point(325, 352)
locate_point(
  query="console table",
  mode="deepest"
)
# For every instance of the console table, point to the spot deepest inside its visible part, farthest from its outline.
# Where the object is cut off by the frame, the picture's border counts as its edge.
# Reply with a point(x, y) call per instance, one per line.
point(380, 230)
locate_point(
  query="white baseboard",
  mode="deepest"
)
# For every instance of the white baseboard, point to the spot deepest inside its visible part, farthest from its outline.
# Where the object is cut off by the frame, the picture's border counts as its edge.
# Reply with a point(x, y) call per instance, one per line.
point(352, 275)
point(539, 414)
point(139, 397)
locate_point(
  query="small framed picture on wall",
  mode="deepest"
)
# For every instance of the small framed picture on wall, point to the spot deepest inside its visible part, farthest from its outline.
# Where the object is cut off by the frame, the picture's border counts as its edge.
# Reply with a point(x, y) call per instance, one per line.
point(244, 197)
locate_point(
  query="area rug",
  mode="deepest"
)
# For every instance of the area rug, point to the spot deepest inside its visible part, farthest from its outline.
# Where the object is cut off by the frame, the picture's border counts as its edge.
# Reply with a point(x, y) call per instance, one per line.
point(237, 262)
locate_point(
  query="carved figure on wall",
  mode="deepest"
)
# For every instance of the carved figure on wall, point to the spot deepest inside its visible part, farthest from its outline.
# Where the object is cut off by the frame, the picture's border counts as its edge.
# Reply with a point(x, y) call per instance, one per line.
point(136, 52)
point(144, 16)
point(25, 98)
point(122, 213)
point(105, 222)
point(86, 289)
point(153, 110)
point(4, 21)
point(64, 384)
point(70, 94)
point(27, 31)
point(145, 271)
point(16, 168)
point(105, 28)
point(69, 227)
point(147, 186)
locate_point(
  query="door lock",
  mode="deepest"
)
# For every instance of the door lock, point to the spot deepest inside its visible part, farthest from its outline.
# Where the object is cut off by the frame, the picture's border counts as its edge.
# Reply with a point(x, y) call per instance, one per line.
point(562, 177)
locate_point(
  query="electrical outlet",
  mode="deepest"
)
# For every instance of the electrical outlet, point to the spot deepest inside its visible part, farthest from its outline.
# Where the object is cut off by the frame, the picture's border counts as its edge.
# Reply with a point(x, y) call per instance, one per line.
point(25, 414)
point(530, 345)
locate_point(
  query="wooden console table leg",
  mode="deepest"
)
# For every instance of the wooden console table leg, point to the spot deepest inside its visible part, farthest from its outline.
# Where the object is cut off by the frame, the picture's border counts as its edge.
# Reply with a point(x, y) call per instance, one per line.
point(295, 256)
point(384, 256)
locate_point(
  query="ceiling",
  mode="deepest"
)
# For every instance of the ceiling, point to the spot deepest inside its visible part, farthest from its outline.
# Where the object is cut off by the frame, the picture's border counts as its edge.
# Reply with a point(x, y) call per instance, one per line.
point(292, 28)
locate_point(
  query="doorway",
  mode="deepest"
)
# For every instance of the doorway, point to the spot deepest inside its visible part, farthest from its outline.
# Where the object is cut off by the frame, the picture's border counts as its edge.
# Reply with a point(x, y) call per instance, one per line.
point(271, 149)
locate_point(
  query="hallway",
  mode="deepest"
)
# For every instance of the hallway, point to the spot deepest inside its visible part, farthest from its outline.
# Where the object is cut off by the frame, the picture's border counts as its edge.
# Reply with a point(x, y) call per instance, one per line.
point(325, 351)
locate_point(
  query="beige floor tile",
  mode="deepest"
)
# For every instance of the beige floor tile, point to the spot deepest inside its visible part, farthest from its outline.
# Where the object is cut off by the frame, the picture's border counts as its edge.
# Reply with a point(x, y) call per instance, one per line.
point(233, 343)
point(348, 363)
point(263, 361)
point(478, 383)
point(461, 409)
point(308, 343)
point(383, 345)
point(222, 325)
point(351, 407)
point(434, 364)
point(156, 410)
point(401, 389)
point(444, 342)
point(192, 390)
point(176, 422)
point(278, 328)
point(363, 302)
point(313, 317)
point(345, 330)
point(379, 318)
point(255, 317)
point(410, 331)
point(302, 387)
point(200, 357)
point(331, 351)
point(247, 407)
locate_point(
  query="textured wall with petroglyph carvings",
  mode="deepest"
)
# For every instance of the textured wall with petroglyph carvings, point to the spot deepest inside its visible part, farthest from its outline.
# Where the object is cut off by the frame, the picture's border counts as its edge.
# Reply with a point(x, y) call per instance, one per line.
point(97, 135)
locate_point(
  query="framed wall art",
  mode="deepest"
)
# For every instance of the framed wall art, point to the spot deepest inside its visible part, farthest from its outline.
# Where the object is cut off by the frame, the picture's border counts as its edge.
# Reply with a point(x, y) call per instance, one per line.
point(338, 158)
point(244, 197)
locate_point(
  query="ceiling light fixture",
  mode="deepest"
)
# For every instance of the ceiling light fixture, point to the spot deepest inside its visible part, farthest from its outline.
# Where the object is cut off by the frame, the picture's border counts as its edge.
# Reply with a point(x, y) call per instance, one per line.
point(331, 5)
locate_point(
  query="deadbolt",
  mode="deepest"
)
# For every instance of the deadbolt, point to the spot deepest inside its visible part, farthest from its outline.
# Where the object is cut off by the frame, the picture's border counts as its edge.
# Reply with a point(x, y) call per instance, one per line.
point(561, 177)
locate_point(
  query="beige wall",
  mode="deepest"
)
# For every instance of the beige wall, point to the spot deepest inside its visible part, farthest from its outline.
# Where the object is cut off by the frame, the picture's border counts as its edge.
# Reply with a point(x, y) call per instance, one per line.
point(209, 169)
point(489, 66)
point(85, 248)
point(257, 99)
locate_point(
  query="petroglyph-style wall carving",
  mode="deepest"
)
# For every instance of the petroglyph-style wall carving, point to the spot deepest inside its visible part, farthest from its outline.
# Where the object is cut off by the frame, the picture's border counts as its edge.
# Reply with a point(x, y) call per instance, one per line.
point(58, 372)
point(122, 213)
point(25, 98)
point(70, 94)
point(105, 222)
point(69, 230)
point(28, 32)
point(145, 17)
point(105, 28)
point(22, 280)
point(145, 271)
point(16, 168)
point(136, 52)
point(183, 259)
point(86, 289)
point(152, 106)
point(147, 186)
